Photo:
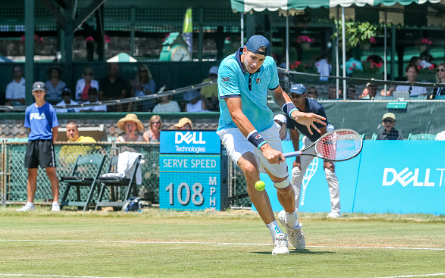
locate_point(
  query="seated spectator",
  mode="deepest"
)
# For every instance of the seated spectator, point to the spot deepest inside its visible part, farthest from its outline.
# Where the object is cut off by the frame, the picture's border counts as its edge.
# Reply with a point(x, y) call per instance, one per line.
point(440, 78)
point(351, 92)
point(281, 120)
point(415, 61)
point(440, 136)
point(184, 124)
point(92, 98)
point(153, 134)
point(15, 91)
point(210, 93)
point(112, 86)
point(323, 67)
point(130, 124)
point(332, 92)
point(85, 83)
point(166, 105)
point(369, 92)
point(389, 132)
point(352, 64)
point(69, 153)
point(54, 85)
point(143, 85)
point(312, 93)
point(195, 104)
point(411, 72)
point(424, 63)
point(66, 100)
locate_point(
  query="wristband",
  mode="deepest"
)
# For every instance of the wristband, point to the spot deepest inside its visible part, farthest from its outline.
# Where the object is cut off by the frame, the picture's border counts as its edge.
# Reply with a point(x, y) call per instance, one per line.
point(256, 139)
point(288, 108)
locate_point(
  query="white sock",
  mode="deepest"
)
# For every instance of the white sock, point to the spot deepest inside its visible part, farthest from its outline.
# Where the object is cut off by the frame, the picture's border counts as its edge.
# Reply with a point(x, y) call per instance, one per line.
point(55, 203)
point(274, 229)
point(292, 219)
point(29, 204)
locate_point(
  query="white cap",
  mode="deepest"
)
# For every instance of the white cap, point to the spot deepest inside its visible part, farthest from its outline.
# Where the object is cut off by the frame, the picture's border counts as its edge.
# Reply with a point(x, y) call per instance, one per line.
point(213, 70)
point(280, 117)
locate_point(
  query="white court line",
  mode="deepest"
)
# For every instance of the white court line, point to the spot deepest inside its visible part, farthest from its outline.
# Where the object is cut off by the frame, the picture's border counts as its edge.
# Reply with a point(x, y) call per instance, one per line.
point(420, 275)
point(214, 243)
point(62, 276)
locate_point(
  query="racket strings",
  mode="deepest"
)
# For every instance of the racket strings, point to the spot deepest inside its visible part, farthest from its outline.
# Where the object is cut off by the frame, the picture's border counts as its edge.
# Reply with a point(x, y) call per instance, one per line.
point(339, 145)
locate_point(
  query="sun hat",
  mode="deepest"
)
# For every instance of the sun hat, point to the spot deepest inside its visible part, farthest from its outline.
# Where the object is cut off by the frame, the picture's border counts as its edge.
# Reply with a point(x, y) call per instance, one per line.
point(182, 122)
point(130, 118)
point(192, 94)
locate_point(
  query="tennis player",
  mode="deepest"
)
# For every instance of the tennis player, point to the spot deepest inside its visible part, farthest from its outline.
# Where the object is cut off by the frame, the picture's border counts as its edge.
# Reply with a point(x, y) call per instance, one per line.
point(301, 163)
point(251, 138)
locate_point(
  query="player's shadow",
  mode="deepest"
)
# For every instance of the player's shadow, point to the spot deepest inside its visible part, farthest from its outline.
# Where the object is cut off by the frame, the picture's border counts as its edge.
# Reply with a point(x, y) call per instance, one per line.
point(305, 251)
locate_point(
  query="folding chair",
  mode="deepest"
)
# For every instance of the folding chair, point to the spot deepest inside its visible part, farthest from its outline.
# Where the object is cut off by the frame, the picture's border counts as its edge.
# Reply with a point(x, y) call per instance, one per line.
point(118, 181)
point(78, 181)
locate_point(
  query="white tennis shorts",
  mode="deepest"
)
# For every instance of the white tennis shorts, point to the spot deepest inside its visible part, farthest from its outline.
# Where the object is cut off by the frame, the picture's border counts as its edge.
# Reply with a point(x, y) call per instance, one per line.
point(237, 145)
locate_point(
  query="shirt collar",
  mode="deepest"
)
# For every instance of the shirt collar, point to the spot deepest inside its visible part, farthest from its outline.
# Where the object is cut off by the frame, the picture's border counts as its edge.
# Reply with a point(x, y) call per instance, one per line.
point(238, 59)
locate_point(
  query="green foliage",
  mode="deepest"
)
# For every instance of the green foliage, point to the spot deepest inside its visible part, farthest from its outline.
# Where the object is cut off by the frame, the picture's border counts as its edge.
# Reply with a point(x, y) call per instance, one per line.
point(357, 33)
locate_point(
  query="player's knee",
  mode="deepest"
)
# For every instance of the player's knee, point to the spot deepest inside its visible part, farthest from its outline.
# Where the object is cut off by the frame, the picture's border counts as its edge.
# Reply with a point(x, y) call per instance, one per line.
point(282, 184)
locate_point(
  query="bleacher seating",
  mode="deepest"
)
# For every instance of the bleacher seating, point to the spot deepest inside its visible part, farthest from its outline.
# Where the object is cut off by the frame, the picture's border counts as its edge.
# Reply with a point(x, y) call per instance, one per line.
point(422, 136)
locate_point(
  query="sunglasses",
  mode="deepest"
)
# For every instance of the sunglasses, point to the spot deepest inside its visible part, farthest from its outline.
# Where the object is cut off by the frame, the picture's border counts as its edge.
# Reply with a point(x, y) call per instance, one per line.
point(155, 122)
point(440, 70)
point(388, 121)
point(90, 74)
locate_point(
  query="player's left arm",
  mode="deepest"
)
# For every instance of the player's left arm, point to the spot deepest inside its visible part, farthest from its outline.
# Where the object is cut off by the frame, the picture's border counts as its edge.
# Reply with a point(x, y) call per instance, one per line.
point(307, 119)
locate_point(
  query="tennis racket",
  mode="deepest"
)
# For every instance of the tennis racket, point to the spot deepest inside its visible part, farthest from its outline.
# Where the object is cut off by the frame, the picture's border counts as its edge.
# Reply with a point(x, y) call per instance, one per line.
point(337, 145)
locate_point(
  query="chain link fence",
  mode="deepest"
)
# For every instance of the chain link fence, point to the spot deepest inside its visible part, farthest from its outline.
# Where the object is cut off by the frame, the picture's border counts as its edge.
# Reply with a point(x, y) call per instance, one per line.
point(14, 176)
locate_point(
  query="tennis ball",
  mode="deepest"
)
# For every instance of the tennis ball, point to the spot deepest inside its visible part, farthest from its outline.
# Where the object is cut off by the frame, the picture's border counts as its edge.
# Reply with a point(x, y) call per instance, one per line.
point(260, 185)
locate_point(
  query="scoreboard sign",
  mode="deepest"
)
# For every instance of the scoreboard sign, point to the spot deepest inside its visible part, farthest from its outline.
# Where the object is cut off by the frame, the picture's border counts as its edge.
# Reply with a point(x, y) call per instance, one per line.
point(190, 171)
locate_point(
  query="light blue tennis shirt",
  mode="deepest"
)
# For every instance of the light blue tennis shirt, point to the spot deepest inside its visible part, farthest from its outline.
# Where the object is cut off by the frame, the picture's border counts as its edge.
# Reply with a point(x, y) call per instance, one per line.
point(234, 81)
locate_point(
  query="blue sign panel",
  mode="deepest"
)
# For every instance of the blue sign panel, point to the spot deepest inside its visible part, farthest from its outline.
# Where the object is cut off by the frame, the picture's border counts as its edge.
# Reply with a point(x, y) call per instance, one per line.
point(189, 141)
point(190, 182)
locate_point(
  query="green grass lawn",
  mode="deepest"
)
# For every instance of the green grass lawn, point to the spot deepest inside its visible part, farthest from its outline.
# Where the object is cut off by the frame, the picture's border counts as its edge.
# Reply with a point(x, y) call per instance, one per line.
point(215, 244)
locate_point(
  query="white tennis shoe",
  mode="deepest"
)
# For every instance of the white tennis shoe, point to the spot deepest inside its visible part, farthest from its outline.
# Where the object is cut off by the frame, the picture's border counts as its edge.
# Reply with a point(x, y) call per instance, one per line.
point(280, 245)
point(55, 207)
point(334, 214)
point(27, 208)
point(296, 235)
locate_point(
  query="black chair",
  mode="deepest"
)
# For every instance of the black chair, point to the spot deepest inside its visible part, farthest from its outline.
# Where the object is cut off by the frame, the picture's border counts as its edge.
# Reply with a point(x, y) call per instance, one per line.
point(112, 182)
point(78, 181)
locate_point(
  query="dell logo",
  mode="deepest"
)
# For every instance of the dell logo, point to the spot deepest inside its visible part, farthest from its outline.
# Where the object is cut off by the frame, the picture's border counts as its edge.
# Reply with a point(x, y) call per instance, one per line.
point(189, 137)
point(405, 177)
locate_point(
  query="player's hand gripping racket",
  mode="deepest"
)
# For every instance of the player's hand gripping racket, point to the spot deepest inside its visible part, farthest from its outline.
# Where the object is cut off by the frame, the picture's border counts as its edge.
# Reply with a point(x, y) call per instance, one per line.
point(337, 145)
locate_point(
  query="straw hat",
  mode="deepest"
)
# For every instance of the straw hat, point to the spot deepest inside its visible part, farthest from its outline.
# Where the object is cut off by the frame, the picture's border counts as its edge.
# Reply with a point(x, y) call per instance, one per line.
point(182, 122)
point(130, 118)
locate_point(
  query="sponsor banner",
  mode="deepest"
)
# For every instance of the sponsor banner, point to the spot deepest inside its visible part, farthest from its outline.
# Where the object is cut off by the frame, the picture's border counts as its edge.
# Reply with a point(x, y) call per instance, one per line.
point(388, 176)
point(196, 142)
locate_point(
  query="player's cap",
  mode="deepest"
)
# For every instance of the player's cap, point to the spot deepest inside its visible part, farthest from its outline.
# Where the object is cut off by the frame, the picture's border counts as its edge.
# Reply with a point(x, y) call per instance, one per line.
point(38, 86)
point(390, 116)
point(298, 89)
point(192, 94)
point(257, 41)
point(213, 70)
point(280, 117)
point(182, 122)
point(66, 91)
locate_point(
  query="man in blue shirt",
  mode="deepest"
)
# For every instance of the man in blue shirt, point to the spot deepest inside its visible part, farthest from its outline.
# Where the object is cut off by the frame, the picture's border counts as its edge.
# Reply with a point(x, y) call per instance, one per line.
point(41, 119)
point(300, 165)
point(251, 138)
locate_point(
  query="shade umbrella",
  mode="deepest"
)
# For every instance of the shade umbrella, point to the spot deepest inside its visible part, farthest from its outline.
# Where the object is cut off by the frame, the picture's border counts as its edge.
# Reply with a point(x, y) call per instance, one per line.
point(121, 57)
point(3, 59)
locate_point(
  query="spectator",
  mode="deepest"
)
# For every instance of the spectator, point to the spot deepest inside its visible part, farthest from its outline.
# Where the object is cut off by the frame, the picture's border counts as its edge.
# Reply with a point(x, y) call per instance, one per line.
point(210, 93)
point(153, 134)
point(312, 93)
point(411, 75)
point(85, 83)
point(389, 132)
point(281, 120)
point(415, 61)
point(184, 124)
point(351, 93)
point(323, 67)
point(130, 124)
point(15, 91)
point(195, 104)
point(301, 163)
point(166, 105)
point(92, 98)
point(440, 136)
point(68, 154)
point(424, 63)
point(352, 65)
point(41, 119)
point(112, 86)
point(440, 78)
point(66, 100)
point(369, 92)
point(332, 92)
point(143, 85)
point(54, 85)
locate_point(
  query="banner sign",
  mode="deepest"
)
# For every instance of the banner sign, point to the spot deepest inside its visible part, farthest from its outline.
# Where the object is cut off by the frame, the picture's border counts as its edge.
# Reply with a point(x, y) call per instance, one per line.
point(388, 176)
point(189, 141)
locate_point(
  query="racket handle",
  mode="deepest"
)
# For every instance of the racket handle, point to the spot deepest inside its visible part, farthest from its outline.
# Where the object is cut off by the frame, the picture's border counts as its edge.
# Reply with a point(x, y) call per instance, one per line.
point(292, 154)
